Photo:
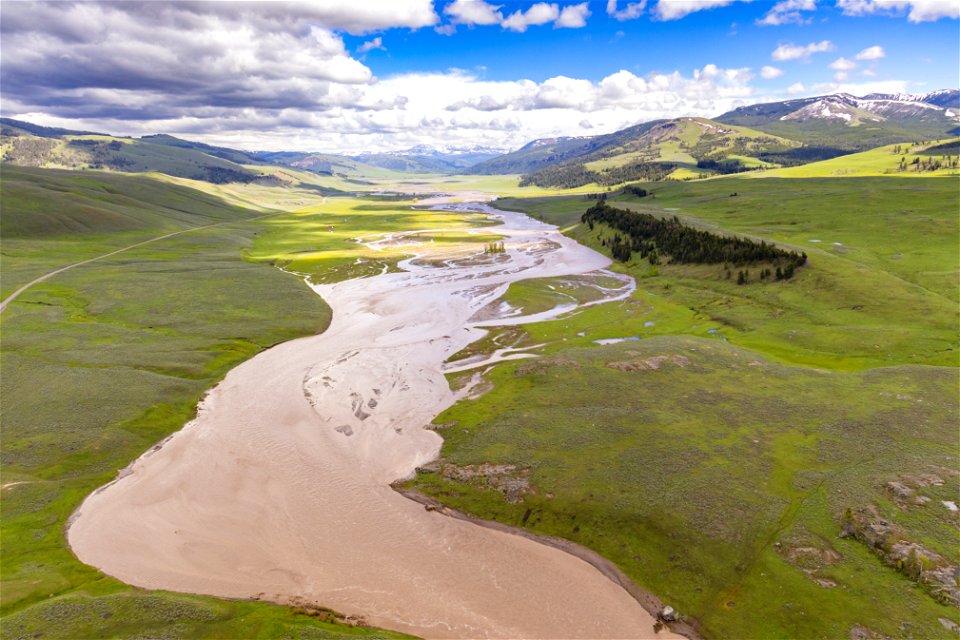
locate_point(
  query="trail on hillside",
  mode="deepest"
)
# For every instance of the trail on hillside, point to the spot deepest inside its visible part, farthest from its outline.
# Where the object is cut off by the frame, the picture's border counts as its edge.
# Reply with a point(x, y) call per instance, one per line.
point(280, 488)
point(13, 296)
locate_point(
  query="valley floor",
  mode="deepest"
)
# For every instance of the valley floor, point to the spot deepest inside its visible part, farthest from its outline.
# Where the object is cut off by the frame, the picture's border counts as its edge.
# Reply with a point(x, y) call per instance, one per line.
point(772, 459)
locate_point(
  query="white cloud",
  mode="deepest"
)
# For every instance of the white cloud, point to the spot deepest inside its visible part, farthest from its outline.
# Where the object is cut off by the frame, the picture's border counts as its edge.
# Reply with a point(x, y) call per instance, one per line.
point(796, 88)
point(869, 73)
point(479, 12)
point(862, 88)
point(268, 79)
point(472, 12)
point(769, 73)
point(787, 12)
point(871, 53)
point(376, 43)
point(676, 9)
point(540, 13)
point(916, 10)
point(842, 64)
point(801, 52)
point(631, 11)
point(573, 16)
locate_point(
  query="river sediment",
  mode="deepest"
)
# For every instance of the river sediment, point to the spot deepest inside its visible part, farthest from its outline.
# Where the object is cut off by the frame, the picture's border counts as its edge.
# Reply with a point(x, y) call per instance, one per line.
point(280, 488)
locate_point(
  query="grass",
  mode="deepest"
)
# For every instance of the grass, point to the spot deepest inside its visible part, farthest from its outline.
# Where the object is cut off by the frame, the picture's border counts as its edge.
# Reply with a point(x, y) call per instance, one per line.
point(875, 162)
point(101, 362)
point(780, 405)
point(320, 241)
point(60, 217)
point(714, 458)
point(689, 476)
point(880, 287)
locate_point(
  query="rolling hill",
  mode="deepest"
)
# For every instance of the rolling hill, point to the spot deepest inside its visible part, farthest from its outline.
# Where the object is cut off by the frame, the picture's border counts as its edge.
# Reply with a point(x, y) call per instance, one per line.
point(649, 151)
point(848, 122)
point(328, 164)
point(24, 144)
point(427, 159)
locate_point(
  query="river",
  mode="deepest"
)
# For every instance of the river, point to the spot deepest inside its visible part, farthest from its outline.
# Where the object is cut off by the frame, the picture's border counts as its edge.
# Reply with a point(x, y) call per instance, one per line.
point(279, 489)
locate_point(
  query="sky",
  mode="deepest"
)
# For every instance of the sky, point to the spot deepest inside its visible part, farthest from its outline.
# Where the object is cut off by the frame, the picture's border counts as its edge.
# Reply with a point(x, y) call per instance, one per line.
point(349, 76)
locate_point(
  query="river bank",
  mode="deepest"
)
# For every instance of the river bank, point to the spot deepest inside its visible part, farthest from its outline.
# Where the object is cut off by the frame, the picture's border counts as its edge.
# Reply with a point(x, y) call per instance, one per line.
point(280, 488)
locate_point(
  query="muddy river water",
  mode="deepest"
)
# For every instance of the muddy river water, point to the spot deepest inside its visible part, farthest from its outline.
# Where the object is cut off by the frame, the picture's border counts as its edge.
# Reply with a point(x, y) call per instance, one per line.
point(279, 488)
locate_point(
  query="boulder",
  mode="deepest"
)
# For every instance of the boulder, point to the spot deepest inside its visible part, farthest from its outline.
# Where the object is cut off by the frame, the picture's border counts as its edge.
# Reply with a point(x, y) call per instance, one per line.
point(669, 614)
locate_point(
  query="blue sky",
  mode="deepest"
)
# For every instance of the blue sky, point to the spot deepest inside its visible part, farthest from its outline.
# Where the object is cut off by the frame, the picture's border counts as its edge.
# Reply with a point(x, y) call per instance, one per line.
point(351, 75)
point(925, 53)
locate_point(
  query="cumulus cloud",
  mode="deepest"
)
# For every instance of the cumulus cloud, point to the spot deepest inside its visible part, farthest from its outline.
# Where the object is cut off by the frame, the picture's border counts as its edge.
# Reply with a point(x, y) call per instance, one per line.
point(479, 12)
point(631, 11)
point(473, 12)
point(370, 45)
point(800, 52)
point(871, 53)
point(787, 12)
point(842, 66)
point(573, 16)
point(769, 73)
point(88, 55)
point(676, 9)
point(915, 10)
point(540, 13)
point(266, 78)
point(796, 88)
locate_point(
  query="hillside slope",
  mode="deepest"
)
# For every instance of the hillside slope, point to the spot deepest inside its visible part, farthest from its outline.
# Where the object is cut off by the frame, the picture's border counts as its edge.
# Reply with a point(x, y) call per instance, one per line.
point(683, 147)
point(848, 122)
point(28, 145)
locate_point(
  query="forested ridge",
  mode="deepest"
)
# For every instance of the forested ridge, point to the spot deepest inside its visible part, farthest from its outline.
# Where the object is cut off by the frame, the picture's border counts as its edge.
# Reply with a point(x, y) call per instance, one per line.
point(655, 238)
point(573, 175)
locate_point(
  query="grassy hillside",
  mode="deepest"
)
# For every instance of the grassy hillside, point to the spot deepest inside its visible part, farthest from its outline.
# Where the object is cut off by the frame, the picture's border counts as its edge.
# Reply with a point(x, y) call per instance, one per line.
point(539, 154)
point(936, 158)
point(125, 155)
point(663, 149)
point(679, 143)
point(328, 164)
point(103, 361)
point(880, 287)
point(719, 453)
point(53, 218)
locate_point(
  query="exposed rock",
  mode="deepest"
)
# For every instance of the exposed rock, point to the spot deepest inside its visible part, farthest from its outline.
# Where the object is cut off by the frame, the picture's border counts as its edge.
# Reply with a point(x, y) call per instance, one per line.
point(927, 568)
point(648, 364)
point(900, 490)
point(860, 632)
point(438, 426)
point(950, 625)
point(540, 366)
point(669, 614)
point(513, 483)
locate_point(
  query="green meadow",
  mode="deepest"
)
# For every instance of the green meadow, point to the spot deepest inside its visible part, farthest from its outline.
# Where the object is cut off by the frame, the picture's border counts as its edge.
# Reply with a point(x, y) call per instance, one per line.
point(714, 456)
point(881, 287)
point(102, 361)
point(718, 454)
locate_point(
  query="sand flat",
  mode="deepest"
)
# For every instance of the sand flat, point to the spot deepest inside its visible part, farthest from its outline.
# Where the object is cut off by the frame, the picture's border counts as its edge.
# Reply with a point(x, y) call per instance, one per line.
point(280, 487)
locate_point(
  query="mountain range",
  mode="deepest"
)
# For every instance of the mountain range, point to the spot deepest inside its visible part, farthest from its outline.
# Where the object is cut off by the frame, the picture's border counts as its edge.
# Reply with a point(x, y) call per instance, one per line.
point(781, 133)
